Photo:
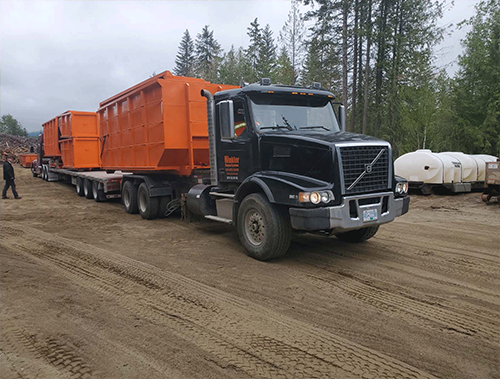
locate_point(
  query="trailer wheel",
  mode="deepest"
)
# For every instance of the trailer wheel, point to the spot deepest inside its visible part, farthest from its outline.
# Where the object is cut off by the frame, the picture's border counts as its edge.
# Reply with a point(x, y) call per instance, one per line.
point(129, 196)
point(33, 171)
point(79, 187)
point(263, 228)
point(44, 173)
point(148, 206)
point(358, 235)
point(426, 190)
point(98, 193)
point(87, 189)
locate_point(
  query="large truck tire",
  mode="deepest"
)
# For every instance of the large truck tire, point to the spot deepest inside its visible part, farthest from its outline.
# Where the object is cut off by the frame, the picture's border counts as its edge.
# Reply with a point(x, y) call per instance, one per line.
point(148, 206)
point(263, 228)
point(359, 235)
point(87, 189)
point(129, 196)
point(79, 187)
point(98, 193)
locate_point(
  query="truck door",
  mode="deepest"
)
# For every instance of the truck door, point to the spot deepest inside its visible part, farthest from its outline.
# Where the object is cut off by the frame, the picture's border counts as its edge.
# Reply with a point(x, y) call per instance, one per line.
point(235, 158)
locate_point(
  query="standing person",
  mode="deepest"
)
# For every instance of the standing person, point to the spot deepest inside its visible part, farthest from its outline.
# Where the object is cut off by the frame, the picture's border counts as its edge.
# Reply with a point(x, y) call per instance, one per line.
point(8, 176)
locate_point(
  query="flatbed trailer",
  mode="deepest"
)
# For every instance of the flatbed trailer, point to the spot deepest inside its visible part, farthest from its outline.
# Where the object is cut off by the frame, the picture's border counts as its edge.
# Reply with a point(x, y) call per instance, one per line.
point(99, 185)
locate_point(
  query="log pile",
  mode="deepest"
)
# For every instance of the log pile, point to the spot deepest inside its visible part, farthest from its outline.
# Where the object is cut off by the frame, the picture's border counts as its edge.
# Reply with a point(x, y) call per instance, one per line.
point(15, 145)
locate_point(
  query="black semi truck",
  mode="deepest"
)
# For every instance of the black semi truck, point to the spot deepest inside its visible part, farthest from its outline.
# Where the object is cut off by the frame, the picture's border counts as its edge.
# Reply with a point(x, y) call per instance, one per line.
point(282, 161)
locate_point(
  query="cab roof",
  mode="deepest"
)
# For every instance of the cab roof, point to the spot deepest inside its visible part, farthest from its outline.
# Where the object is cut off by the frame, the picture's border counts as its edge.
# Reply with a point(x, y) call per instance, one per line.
point(273, 88)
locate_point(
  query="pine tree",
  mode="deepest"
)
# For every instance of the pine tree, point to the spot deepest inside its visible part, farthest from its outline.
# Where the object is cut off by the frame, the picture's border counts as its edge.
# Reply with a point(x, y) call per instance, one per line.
point(266, 54)
point(185, 61)
point(292, 39)
point(207, 51)
point(252, 51)
point(284, 72)
point(234, 67)
point(476, 89)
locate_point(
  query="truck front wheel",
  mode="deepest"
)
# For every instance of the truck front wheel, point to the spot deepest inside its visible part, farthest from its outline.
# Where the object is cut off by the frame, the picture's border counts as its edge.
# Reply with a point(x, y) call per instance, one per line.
point(129, 196)
point(148, 206)
point(358, 235)
point(263, 228)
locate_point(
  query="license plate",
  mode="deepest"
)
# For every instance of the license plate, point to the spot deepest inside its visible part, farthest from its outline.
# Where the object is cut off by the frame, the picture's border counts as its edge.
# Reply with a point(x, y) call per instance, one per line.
point(370, 215)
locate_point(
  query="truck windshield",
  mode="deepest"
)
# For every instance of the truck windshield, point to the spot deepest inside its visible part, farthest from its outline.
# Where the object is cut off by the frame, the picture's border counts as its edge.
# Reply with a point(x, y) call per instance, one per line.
point(293, 113)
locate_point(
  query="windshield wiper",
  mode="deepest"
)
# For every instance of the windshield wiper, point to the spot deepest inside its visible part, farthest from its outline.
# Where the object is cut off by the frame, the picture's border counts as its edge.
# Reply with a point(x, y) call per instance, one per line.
point(287, 123)
point(313, 127)
point(288, 127)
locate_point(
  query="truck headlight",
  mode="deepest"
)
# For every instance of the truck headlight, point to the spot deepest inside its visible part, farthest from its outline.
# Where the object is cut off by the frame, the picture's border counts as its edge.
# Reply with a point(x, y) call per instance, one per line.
point(402, 188)
point(316, 197)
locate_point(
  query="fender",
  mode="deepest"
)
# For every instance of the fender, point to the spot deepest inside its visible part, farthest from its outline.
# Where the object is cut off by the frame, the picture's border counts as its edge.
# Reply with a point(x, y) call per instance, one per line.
point(279, 187)
point(156, 186)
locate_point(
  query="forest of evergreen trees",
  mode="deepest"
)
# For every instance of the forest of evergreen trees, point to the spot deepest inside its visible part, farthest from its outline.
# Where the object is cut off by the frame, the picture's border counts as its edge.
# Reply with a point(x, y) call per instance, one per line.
point(378, 57)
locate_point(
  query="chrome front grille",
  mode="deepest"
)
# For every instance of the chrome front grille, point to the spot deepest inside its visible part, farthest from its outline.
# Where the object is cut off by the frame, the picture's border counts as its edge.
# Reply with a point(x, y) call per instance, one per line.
point(365, 168)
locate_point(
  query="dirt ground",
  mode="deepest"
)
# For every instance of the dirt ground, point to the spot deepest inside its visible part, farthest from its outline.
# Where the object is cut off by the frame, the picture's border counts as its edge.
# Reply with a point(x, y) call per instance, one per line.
point(88, 291)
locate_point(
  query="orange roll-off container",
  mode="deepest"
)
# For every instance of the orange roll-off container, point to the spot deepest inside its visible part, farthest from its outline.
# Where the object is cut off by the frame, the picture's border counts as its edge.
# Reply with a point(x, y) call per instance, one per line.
point(80, 153)
point(26, 159)
point(77, 144)
point(78, 124)
point(51, 138)
point(79, 141)
point(157, 125)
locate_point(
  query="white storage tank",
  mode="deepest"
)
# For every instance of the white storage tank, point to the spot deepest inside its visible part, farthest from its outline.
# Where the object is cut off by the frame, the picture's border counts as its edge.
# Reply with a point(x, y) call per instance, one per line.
point(424, 166)
point(456, 171)
point(469, 166)
point(481, 160)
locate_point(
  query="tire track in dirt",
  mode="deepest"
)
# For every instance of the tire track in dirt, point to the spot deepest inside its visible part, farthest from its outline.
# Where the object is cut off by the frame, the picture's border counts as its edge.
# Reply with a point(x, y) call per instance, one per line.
point(239, 333)
point(419, 311)
point(453, 261)
point(486, 276)
point(324, 263)
point(54, 353)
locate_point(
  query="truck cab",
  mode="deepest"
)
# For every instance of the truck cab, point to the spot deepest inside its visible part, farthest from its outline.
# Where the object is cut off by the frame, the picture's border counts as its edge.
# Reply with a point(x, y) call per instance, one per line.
point(281, 161)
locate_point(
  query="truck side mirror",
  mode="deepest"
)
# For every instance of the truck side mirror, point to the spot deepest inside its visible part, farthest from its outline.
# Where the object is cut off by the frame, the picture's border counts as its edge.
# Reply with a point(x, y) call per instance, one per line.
point(342, 117)
point(226, 119)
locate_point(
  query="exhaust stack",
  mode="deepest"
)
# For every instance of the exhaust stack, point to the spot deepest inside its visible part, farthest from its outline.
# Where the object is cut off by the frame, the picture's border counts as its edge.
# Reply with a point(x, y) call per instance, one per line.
point(211, 135)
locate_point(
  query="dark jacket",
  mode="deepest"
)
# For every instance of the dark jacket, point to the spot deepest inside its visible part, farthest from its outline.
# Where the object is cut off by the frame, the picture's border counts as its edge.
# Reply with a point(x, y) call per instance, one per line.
point(8, 171)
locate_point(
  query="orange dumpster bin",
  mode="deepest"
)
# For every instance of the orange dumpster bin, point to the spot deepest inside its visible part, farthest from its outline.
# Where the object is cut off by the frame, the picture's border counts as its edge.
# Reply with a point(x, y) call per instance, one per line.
point(26, 159)
point(157, 125)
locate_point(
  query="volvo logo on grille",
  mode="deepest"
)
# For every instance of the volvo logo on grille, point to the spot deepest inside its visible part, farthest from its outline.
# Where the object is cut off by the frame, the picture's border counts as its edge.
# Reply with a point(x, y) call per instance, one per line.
point(368, 169)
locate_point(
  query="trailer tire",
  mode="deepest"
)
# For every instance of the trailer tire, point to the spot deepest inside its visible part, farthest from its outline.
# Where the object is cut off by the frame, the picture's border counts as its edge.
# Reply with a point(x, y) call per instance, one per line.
point(44, 173)
point(129, 196)
point(359, 235)
point(98, 193)
point(87, 189)
point(148, 206)
point(79, 187)
point(426, 190)
point(264, 229)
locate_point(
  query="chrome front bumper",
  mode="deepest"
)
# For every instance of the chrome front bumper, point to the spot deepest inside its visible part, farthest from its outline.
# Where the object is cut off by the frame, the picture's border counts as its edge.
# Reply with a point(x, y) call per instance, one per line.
point(349, 214)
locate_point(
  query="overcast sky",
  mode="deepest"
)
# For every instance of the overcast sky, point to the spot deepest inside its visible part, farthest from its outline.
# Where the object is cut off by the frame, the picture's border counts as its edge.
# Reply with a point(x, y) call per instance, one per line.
point(62, 55)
